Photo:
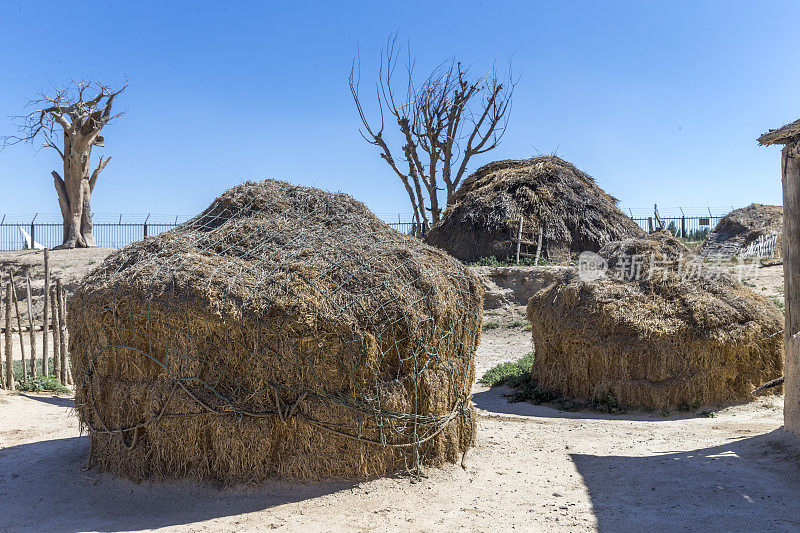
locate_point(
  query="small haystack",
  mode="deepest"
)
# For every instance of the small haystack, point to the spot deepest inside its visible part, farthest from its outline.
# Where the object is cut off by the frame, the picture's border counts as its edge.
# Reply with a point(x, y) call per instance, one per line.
point(285, 331)
point(660, 331)
point(575, 213)
point(740, 231)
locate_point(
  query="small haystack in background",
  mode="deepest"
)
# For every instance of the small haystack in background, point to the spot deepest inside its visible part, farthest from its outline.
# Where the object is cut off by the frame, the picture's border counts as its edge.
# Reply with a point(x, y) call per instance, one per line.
point(660, 331)
point(574, 212)
point(285, 331)
point(741, 231)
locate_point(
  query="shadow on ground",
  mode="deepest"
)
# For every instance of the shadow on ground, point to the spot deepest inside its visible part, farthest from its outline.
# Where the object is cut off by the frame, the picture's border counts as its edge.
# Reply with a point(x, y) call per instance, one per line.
point(748, 484)
point(60, 401)
point(494, 400)
point(43, 487)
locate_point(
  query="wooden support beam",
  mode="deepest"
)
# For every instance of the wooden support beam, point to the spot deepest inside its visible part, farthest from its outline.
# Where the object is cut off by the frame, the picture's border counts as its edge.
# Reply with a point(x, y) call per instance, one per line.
point(19, 328)
point(519, 236)
point(45, 362)
point(9, 340)
point(539, 244)
point(56, 333)
point(790, 163)
point(32, 329)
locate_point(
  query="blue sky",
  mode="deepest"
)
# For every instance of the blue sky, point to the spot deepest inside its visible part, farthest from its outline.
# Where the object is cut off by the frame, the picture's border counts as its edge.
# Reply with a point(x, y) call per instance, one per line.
point(659, 101)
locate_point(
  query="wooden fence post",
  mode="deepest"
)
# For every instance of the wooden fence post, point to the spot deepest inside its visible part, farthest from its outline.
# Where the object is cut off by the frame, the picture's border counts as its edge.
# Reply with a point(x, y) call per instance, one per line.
point(56, 343)
point(683, 227)
point(519, 236)
point(791, 271)
point(45, 311)
point(62, 328)
point(650, 224)
point(32, 332)
point(3, 377)
point(19, 328)
point(539, 245)
point(9, 340)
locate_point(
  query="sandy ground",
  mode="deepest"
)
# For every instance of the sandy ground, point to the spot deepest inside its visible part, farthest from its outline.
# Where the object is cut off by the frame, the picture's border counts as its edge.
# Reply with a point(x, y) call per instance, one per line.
point(533, 468)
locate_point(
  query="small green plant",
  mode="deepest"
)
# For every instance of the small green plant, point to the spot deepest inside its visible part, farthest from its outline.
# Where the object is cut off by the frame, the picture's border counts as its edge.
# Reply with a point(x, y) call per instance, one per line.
point(41, 384)
point(508, 373)
point(780, 303)
point(492, 261)
point(491, 325)
point(707, 413)
point(664, 413)
point(607, 403)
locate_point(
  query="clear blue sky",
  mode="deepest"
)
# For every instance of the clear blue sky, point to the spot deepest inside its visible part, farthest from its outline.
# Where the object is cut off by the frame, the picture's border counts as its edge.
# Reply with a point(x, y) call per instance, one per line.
point(660, 101)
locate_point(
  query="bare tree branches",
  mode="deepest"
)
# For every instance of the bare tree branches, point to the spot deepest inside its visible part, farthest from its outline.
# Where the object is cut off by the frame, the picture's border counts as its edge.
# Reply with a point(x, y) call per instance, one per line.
point(443, 122)
point(74, 115)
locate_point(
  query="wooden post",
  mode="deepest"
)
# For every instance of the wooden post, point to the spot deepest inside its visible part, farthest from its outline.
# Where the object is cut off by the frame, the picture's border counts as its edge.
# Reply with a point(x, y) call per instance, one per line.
point(32, 332)
point(3, 377)
point(9, 340)
point(538, 245)
point(683, 227)
point(650, 224)
point(62, 328)
point(791, 272)
point(519, 236)
point(19, 328)
point(45, 362)
point(56, 343)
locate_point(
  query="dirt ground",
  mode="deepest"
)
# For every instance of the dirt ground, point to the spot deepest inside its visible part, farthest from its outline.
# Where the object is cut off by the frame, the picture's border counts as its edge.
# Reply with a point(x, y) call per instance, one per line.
point(533, 468)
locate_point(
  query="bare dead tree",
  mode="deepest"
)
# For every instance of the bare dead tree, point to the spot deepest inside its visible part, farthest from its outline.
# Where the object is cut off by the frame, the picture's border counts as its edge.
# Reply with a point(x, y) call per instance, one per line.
point(73, 116)
point(443, 121)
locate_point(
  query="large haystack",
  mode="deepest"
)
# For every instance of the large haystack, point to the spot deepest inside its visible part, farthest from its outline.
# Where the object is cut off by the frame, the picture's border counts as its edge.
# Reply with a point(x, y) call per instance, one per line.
point(575, 213)
point(659, 331)
point(741, 228)
point(285, 331)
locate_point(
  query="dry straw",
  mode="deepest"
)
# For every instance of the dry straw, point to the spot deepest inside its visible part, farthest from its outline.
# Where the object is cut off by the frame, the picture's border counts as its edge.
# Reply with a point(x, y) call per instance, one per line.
point(285, 331)
point(574, 212)
point(741, 227)
point(685, 335)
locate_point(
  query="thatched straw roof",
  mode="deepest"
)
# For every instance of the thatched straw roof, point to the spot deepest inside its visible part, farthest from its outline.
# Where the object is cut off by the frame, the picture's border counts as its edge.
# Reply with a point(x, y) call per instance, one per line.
point(783, 135)
point(576, 214)
point(285, 331)
point(681, 334)
point(741, 227)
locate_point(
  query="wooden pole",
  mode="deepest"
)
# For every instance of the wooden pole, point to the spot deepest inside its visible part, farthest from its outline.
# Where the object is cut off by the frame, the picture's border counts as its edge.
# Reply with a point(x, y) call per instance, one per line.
point(45, 362)
point(519, 236)
point(62, 357)
point(538, 245)
point(3, 375)
point(56, 336)
point(650, 224)
point(32, 328)
point(19, 328)
point(791, 271)
point(9, 340)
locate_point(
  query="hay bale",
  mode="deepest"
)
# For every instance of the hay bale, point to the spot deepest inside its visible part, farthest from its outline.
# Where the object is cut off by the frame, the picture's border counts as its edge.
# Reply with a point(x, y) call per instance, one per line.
point(285, 331)
point(575, 213)
point(678, 333)
point(741, 227)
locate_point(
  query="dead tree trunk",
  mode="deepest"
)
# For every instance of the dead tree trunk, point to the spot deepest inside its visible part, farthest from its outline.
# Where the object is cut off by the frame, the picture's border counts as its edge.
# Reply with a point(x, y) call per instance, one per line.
point(79, 120)
point(791, 272)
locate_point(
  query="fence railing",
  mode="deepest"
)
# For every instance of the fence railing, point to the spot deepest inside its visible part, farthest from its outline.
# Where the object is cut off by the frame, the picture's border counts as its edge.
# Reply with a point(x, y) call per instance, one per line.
point(694, 227)
point(113, 232)
point(107, 234)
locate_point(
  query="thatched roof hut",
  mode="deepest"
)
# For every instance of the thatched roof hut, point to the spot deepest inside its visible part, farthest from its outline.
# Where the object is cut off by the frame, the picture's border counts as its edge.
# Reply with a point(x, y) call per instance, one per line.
point(285, 331)
point(575, 213)
point(737, 231)
point(676, 334)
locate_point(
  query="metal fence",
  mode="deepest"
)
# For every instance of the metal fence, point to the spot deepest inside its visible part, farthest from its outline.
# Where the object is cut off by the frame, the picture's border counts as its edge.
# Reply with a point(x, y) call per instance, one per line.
point(115, 231)
point(107, 232)
point(693, 227)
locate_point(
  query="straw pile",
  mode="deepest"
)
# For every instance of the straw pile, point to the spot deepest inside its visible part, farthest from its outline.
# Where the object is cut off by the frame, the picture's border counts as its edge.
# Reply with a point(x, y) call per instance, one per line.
point(741, 227)
point(285, 331)
point(574, 212)
point(675, 333)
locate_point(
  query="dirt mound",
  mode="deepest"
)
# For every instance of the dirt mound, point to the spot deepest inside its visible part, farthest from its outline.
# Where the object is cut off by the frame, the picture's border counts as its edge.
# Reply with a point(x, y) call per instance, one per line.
point(285, 331)
point(681, 334)
point(574, 212)
point(742, 227)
